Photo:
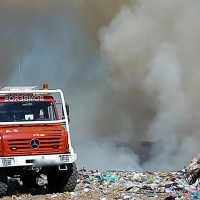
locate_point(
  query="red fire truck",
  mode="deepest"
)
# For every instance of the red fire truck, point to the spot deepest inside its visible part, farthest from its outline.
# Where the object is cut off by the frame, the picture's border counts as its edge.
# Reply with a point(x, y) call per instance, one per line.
point(35, 138)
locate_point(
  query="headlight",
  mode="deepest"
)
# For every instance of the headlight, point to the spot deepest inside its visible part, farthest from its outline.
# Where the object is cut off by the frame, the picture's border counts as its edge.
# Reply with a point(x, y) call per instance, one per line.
point(7, 161)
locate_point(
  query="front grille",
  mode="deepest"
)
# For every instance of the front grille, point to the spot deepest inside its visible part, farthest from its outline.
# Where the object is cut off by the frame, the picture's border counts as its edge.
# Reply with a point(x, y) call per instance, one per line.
point(45, 145)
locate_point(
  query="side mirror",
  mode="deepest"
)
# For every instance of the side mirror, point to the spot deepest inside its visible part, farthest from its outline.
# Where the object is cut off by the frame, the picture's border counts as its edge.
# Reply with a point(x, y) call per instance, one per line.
point(67, 110)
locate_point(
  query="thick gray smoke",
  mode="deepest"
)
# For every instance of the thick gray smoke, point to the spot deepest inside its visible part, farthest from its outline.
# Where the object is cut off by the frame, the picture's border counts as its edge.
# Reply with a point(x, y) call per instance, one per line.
point(152, 54)
point(54, 45)
point(146, 87)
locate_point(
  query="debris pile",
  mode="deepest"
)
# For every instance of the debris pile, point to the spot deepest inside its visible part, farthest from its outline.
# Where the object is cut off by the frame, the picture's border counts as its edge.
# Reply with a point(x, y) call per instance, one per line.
point(125, 185)
point(193, 171)
point(116, 184)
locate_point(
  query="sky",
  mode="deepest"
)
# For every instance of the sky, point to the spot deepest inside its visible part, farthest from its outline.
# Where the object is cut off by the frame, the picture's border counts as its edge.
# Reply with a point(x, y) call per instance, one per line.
point(129, 70)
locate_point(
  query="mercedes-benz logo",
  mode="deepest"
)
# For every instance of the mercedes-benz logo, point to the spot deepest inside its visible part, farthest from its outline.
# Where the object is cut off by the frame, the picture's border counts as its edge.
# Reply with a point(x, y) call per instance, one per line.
point(35, 143)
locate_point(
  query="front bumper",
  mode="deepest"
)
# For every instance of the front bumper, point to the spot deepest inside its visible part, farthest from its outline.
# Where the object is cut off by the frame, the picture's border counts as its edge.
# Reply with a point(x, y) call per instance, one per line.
point(38, 160)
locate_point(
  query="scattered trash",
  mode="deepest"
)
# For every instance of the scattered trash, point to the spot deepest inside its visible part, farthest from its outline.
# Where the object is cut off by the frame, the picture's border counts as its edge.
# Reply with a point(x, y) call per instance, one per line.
point(86, 189)
point(54, 195)
point(122, 185)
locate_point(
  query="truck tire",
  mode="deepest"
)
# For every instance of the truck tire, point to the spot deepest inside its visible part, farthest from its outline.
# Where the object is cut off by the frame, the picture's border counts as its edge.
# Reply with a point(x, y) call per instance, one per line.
point(3, 182)
point(70, 179)
point(64, 180)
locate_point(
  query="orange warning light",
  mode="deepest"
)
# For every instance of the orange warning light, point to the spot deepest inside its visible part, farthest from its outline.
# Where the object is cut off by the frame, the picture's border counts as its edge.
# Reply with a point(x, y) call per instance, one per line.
point(45, 86)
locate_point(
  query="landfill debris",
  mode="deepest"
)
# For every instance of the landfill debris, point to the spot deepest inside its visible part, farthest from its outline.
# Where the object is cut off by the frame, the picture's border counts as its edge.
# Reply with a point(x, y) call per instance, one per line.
point(193, 170)
point(120, 185)
point(54, 195)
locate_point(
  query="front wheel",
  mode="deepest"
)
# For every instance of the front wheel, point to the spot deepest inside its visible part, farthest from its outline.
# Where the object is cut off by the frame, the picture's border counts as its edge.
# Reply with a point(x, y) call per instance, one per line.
point(63, 180)
point(3, 182)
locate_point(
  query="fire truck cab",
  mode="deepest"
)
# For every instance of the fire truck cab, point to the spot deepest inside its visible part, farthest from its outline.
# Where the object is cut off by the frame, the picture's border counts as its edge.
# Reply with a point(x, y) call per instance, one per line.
point(35, 138)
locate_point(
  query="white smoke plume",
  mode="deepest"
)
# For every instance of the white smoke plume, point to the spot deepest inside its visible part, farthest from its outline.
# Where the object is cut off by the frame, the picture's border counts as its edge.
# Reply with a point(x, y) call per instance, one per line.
point(152, 54)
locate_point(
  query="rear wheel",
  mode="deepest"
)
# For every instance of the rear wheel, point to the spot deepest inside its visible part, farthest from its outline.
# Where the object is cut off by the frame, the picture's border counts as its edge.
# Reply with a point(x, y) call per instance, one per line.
point(63, 180)
point(3, 182)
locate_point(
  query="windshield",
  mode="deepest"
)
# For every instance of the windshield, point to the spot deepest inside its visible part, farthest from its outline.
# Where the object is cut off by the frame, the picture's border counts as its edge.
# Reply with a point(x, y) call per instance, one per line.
point(24, 111)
